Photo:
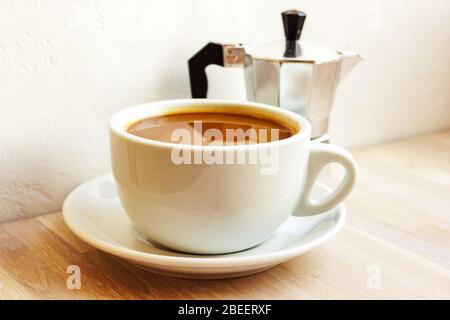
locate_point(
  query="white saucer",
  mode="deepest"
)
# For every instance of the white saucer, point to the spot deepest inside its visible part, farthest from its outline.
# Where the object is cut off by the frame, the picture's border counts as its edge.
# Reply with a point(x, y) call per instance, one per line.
point(94, 213)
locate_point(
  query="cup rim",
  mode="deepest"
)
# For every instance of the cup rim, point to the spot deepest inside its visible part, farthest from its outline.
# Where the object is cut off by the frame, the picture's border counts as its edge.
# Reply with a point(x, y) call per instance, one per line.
point(121, 120)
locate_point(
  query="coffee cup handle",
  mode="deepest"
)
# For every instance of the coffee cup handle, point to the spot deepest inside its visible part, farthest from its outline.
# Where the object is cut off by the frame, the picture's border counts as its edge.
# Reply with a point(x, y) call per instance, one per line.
point(320, 155)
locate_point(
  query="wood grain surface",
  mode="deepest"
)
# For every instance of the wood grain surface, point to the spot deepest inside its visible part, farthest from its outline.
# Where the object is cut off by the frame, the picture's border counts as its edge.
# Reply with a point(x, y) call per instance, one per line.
point(396, 244)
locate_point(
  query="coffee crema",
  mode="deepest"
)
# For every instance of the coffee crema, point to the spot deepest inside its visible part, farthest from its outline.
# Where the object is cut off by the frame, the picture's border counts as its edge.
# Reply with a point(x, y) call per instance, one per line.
point(206, 128)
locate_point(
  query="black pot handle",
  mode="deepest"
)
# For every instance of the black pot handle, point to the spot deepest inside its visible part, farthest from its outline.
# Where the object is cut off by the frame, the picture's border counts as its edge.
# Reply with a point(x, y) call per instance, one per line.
point(212, 53)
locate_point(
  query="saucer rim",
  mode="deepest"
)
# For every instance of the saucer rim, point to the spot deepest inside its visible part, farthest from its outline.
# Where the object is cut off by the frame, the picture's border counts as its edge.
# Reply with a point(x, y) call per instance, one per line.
point(198, 261)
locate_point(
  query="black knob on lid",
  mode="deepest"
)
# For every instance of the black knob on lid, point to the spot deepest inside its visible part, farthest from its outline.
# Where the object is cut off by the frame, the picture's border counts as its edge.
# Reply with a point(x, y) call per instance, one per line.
point(293, 21)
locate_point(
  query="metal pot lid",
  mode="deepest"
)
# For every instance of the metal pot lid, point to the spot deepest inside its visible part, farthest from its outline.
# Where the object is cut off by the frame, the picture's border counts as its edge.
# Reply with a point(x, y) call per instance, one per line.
point(291, 49)
point(286, 51)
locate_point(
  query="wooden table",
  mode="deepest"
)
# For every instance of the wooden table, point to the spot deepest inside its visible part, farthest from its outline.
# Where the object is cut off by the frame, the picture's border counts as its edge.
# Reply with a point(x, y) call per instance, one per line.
point(396, 244)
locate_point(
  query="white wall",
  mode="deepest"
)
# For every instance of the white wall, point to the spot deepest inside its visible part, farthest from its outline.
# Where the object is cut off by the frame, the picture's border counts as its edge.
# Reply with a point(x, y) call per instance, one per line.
point(67, 65)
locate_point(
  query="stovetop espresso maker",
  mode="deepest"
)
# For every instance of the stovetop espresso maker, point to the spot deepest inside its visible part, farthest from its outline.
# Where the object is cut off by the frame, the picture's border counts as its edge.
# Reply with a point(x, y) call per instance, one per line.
point(287, 73)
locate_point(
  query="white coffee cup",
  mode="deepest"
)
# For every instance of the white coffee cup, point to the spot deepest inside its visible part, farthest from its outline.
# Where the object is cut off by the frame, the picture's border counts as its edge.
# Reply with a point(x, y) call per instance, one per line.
point(225, 207)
